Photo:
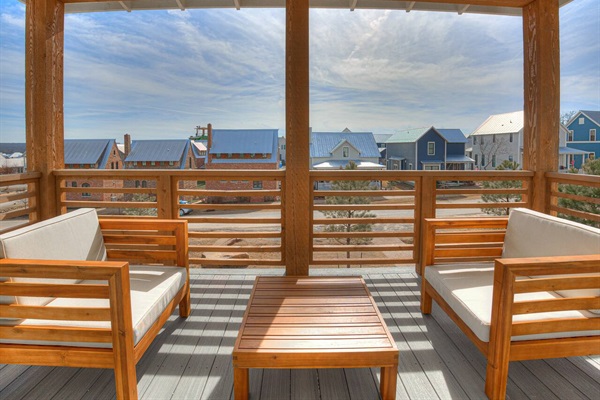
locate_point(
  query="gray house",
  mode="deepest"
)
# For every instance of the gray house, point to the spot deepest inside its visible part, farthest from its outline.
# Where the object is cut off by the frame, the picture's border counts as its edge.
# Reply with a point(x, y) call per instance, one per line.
point(334, 150)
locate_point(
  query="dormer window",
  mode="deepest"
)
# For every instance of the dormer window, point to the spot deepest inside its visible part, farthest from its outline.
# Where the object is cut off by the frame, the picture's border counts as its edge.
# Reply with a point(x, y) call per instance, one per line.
point(345, 151)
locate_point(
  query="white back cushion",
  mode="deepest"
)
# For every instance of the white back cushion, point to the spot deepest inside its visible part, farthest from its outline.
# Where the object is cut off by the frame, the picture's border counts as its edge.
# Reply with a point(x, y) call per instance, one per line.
point(72, 236)
point(533, 234)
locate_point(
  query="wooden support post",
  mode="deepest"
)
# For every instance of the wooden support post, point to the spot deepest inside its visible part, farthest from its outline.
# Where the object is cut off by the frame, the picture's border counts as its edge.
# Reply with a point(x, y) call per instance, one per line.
point(424, 208)
point(297, 229)
point(542, 95)
point(44, 125)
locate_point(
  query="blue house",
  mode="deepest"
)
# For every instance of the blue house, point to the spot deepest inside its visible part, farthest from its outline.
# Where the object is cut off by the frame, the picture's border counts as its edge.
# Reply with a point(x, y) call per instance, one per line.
point(335, 150)
point(427, 149)
point(584, 129)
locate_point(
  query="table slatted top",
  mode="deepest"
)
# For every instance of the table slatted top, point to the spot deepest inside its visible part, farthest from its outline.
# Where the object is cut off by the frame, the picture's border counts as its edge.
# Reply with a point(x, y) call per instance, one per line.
point(313, 315)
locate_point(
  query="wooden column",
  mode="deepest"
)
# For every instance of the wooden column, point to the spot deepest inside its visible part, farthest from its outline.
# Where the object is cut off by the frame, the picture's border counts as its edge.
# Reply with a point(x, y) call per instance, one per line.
point(44, 126)
point(297, 227)
point(542, 95)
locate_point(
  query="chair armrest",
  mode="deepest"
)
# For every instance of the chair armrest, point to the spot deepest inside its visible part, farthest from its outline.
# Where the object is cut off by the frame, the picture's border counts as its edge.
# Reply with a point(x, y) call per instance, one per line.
point(32, 278)
point(461, 239)
point(575, 278)
point(142, 241)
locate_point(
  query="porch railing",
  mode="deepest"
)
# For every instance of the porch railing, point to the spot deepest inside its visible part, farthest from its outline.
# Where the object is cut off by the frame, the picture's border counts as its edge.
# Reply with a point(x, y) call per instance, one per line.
point(365, 218)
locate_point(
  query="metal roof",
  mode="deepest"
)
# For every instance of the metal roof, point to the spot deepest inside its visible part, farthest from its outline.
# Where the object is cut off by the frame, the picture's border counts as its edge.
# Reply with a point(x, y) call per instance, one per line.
point(408, 136)
point(341, 164)
point(158, 150)
point(570, 150)
point(382, 137)
point(458, 159)
point(453, 135)
point(323, 143)
point(87, 151)
point(501, 123)
point(512, 7)
point(10, 148)
point(245, 141)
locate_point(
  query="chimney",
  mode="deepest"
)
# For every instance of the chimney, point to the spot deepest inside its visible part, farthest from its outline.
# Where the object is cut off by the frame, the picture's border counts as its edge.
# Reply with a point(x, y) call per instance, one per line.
point(127, 141)
point(209, 144)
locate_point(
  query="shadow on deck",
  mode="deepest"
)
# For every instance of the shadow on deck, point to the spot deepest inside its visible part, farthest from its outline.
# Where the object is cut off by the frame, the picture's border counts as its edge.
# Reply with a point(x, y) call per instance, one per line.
point(191, 359)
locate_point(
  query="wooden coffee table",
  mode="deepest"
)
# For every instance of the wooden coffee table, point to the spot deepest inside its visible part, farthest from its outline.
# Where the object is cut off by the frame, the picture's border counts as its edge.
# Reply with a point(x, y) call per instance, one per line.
point(313, 322)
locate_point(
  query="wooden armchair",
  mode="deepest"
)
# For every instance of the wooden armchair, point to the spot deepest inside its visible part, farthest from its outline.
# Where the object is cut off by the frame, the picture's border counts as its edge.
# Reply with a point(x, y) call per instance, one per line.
point(528, 306)
point(99, 312)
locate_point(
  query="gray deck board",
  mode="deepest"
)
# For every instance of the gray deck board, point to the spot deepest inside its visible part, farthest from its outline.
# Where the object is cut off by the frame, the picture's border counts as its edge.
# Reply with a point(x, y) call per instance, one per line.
point(191, 358)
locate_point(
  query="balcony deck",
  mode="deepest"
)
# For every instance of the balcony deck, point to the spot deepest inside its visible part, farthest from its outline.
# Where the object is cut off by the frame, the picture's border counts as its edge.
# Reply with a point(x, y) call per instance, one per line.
point(191, 359)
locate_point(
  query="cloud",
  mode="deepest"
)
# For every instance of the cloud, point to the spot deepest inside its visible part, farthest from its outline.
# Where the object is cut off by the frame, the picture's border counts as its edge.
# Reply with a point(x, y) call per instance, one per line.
point(159, 74)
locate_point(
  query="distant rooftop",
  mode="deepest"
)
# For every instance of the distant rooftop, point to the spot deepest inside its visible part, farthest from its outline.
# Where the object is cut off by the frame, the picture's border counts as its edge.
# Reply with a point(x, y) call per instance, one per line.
point(453, 135)
point(323, 143)
point(408, 136)
point(511, 122)
point(593, 115)
point(157, 150)
point(87, 151)
point(10, 148)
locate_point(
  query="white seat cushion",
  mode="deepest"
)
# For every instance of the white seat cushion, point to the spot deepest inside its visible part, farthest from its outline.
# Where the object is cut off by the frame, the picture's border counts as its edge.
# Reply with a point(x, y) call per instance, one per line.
point(152, 289)
point(468, 291)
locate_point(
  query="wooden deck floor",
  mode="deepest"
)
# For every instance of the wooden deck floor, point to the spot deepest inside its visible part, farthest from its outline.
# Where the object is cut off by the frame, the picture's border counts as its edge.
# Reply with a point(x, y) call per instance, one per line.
point(191, 359)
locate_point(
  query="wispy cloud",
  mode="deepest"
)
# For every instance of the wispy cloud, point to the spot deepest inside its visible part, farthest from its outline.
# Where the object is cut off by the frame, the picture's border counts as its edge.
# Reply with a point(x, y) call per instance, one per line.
point(158, 74)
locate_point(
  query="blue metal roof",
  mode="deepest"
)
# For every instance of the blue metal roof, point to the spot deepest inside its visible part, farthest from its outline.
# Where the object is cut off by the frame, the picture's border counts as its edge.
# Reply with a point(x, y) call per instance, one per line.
point(593, 115)
point(453, 135)
point(158, 150)
point(323, 143)
point(458, 159)
point(10, 148)
point(245, 141)
point(87, 151)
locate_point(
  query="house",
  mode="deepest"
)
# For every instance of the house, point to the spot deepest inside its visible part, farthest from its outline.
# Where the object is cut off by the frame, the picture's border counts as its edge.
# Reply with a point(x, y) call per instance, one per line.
point(158, 154)
point(200, 153)
point(334, 150)
point(242, 149)
point(12, 164)
point(500, 138)
point(380, 139)
point(92, 154)
point(584, 132)
point(282, 150)
point(427, 149)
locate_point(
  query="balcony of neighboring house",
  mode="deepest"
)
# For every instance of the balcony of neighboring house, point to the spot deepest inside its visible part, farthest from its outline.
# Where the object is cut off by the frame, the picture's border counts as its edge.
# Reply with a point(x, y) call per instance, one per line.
point(296, 227)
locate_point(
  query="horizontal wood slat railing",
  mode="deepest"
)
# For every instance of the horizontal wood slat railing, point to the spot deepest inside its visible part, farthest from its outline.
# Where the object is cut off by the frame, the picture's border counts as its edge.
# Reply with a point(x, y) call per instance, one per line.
point(575, 197)
point(236, 216)
point(19, 200)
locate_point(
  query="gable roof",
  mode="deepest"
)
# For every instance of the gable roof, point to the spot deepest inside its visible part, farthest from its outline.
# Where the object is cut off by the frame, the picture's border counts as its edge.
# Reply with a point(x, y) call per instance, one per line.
point(158, 150)
point(381, 137)
point(88, 151)
point(323, 143)
point(501, 123)
point(244, 141)
point(594, 116)
point(409, 135)
point(453, 135)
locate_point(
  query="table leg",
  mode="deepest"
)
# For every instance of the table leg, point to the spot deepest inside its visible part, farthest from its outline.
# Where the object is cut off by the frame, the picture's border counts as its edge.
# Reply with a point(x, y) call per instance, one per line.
point(240, 383)
point(387, 384)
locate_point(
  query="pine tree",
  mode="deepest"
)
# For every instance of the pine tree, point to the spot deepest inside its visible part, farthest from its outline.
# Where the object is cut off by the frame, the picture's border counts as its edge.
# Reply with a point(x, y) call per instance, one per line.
point(503, 197)
point(350, 227)
point(591, 167)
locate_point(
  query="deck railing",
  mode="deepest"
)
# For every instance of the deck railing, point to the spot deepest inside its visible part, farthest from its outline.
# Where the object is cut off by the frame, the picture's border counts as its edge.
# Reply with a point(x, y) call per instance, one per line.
point(19, 200)
point(364, 218)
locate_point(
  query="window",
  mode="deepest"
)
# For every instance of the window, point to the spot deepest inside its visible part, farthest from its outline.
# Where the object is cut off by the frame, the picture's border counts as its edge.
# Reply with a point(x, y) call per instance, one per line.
point(171, 163)
point(474, 139)
point(144, 184)
point(257, 185)
point(345, 151)
point(117, 165)
point(144, 163)
point(152, 163)
point(494, 161)
point(85, 194)
point(493, 138)
point(74, 184)
point(137, 184)
point(510, 158)
point(410, 166)
point(570, 136)
point(581, 121)
point(430, 148)
point(112, 165)
point(483, 160)
point(190, 163)
point(476, 159)
point(482, 139)
point(431, 167)
point(510, 138)
point(592, 135)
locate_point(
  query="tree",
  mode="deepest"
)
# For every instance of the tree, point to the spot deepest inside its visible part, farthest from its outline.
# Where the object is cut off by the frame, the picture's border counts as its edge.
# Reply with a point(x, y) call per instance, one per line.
point(492, 146)
point(591, 167)
point(349, 213)
point(501, 197)
point(566, 116)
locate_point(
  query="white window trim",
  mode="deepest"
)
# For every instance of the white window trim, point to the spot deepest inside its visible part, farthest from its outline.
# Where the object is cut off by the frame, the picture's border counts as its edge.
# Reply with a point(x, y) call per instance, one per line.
point(431, 153)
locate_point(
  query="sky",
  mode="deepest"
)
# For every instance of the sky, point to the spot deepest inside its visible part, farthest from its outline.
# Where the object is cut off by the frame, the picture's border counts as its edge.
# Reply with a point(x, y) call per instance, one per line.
point(159, 74)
